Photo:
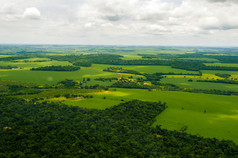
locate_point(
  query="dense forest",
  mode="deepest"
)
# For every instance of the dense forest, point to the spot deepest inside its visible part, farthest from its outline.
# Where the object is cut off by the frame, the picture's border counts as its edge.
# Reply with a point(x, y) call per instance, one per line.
point(31, 129)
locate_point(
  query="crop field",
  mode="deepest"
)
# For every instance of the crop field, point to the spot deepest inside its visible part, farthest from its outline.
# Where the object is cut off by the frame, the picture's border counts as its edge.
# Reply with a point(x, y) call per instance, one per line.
point(184, 83)
point(29, 65)
point(204, 114)
point(131, 57)
point(4, 56)
point(204, 76)
point(222, 64)
point(202, 59)
point(145, 69)
point(52, 77)
point(220, 72)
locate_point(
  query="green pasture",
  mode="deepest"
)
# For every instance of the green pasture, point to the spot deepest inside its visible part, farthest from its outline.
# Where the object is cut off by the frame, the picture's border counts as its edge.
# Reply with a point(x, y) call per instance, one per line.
point(184, 109)
point(29, 65)
point(184, 83)
point(145, 69)
point(98, 102)
point(52, 77)
point(201, 59)
point(219, 72)
point(131, 57)
point(4, 56)
point(221, 64)
point(32, 59)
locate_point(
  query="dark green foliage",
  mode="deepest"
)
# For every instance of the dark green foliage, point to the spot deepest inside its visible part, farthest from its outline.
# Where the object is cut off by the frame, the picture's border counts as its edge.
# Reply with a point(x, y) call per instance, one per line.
point(14, 58)
point(97, 86)
point(123, 83)
point(224, 68)
point(121, 70)
point(223, 75)
point(56, 68)
point(106, 79)
point(83, 63)
point(67, 83)
point(56, 130)
point(226, 59)
point(14, 88)
point(7, 67)
point(154, 77)
point(219, 81)
point(87, 60)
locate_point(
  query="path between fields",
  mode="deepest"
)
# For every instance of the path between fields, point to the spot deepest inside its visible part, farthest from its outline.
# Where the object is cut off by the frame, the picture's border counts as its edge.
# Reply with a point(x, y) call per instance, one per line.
point(92, 68)
point(119, 79)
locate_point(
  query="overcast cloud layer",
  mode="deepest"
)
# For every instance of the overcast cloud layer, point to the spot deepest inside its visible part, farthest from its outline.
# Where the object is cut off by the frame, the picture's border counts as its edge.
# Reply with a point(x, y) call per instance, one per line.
point(120, 22)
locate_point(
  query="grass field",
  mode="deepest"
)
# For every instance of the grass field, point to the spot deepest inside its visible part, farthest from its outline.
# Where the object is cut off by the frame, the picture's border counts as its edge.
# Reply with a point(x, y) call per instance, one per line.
point(219, 72)
point(52, 77)
point(145, 69)
point(202, 59)
point(131, 57)
point(204, 76)
point(184, 83)
point(221, 64)
point(29, 65)
point(184, 109)
point(4, 56)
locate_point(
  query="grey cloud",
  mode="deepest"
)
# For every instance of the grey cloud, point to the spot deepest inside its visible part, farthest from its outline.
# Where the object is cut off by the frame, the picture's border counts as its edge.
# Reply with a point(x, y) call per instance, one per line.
point(223, 1)
point(114, 18)
point(223, 27)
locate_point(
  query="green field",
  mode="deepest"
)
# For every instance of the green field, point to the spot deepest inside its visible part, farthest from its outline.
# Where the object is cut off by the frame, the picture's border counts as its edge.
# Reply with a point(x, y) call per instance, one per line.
point(4, 56)
point(184, 109)
point(52, 77)
point(29, 65)
point(184, 83)
point(131, 57)
point(219, 72)
point(145, 69)
point(202, 59)
point(222, 64)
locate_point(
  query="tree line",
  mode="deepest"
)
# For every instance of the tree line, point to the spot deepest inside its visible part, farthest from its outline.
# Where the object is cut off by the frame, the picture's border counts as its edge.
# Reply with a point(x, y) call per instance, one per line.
point(56, 68)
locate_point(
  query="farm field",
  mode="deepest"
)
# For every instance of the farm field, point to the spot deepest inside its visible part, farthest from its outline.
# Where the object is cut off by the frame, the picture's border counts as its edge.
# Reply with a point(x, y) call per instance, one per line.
point(219, 71)
point(204, 114)
point(52, 77)
point(29, 65)
point(202, 59)
point(222, 64)
point(145, 69)
point(184, 83)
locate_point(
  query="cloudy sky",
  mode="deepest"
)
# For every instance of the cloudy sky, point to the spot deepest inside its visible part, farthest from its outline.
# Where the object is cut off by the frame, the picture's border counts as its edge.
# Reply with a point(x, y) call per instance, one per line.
point(120, 22)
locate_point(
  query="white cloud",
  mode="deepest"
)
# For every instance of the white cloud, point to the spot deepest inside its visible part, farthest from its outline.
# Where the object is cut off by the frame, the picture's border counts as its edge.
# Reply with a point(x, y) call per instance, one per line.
point(32, 13)
point(136, 21)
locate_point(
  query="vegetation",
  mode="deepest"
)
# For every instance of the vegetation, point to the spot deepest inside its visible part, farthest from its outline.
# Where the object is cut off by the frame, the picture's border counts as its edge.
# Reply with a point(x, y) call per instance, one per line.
point(8, 67)
point(49, 109)
point(119, 131)
point(56, 68)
